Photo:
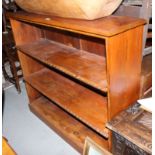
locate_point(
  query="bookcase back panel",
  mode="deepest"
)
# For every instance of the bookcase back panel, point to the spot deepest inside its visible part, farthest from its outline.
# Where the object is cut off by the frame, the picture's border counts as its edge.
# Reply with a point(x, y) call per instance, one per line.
point(87, 43)
point(61, 36)
point(93, 45)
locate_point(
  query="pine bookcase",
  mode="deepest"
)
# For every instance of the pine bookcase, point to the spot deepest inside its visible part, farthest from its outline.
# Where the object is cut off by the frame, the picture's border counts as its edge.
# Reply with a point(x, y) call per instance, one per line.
point(79, 74)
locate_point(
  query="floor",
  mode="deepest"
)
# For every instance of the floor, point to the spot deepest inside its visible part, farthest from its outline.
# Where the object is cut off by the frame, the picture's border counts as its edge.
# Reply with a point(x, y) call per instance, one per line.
point(25, 132)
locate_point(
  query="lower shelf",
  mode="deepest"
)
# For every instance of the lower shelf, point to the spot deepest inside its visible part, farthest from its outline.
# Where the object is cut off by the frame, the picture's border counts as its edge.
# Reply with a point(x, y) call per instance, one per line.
point(72, 130)
point(84, 104)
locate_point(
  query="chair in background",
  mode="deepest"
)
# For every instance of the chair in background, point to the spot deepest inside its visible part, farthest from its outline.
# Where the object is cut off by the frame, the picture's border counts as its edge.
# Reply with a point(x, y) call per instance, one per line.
point(10, 62)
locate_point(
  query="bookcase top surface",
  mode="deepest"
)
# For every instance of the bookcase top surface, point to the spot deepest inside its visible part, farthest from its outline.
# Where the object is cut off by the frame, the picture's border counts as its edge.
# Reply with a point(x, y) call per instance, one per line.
point(101, 28)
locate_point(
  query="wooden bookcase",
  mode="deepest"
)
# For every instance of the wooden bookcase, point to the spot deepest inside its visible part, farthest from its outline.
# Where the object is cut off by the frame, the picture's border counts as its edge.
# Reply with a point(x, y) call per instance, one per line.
point(79, 74)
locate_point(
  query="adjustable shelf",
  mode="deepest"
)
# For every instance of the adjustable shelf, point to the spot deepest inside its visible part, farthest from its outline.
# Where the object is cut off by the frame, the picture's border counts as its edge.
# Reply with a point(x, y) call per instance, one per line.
point(72, 97)
point(87, 67)
point(79, 74)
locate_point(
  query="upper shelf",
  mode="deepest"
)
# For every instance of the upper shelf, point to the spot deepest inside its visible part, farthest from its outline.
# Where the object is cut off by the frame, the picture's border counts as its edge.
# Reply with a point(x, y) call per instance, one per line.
point(101, 28)
point(84, 66)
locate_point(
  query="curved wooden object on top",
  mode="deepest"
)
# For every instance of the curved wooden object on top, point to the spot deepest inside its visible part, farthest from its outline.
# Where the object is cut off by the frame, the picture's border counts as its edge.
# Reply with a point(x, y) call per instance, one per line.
point(82, 9)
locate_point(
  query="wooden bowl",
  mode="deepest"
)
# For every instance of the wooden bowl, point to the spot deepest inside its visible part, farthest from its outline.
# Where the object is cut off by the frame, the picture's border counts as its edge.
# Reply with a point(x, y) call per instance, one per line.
point(82, 9)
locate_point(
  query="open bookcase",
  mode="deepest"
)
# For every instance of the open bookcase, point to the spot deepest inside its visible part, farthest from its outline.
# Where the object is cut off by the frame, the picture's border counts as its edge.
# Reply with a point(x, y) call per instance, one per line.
point(79, 74)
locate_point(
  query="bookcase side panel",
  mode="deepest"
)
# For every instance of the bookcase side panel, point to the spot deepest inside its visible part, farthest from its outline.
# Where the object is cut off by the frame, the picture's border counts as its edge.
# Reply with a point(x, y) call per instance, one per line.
point(25, 33)
point(29, 66)
point(124, 57)
point(32, 93)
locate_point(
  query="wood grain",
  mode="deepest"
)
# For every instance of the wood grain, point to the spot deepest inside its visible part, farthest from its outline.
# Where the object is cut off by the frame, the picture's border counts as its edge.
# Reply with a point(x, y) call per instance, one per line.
point(6, 149)
point(73, 131)
point(23, 32)
point(71, 8)
point(29, 66)
point(68, 38)
point(32, 93)
point(135, 126)
point(93, 45)
point(100, 28)
point(77, 100)
point(84, 66)
point(146, 75)
point(89, 44)
point(114, 70)
point(123, 69)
